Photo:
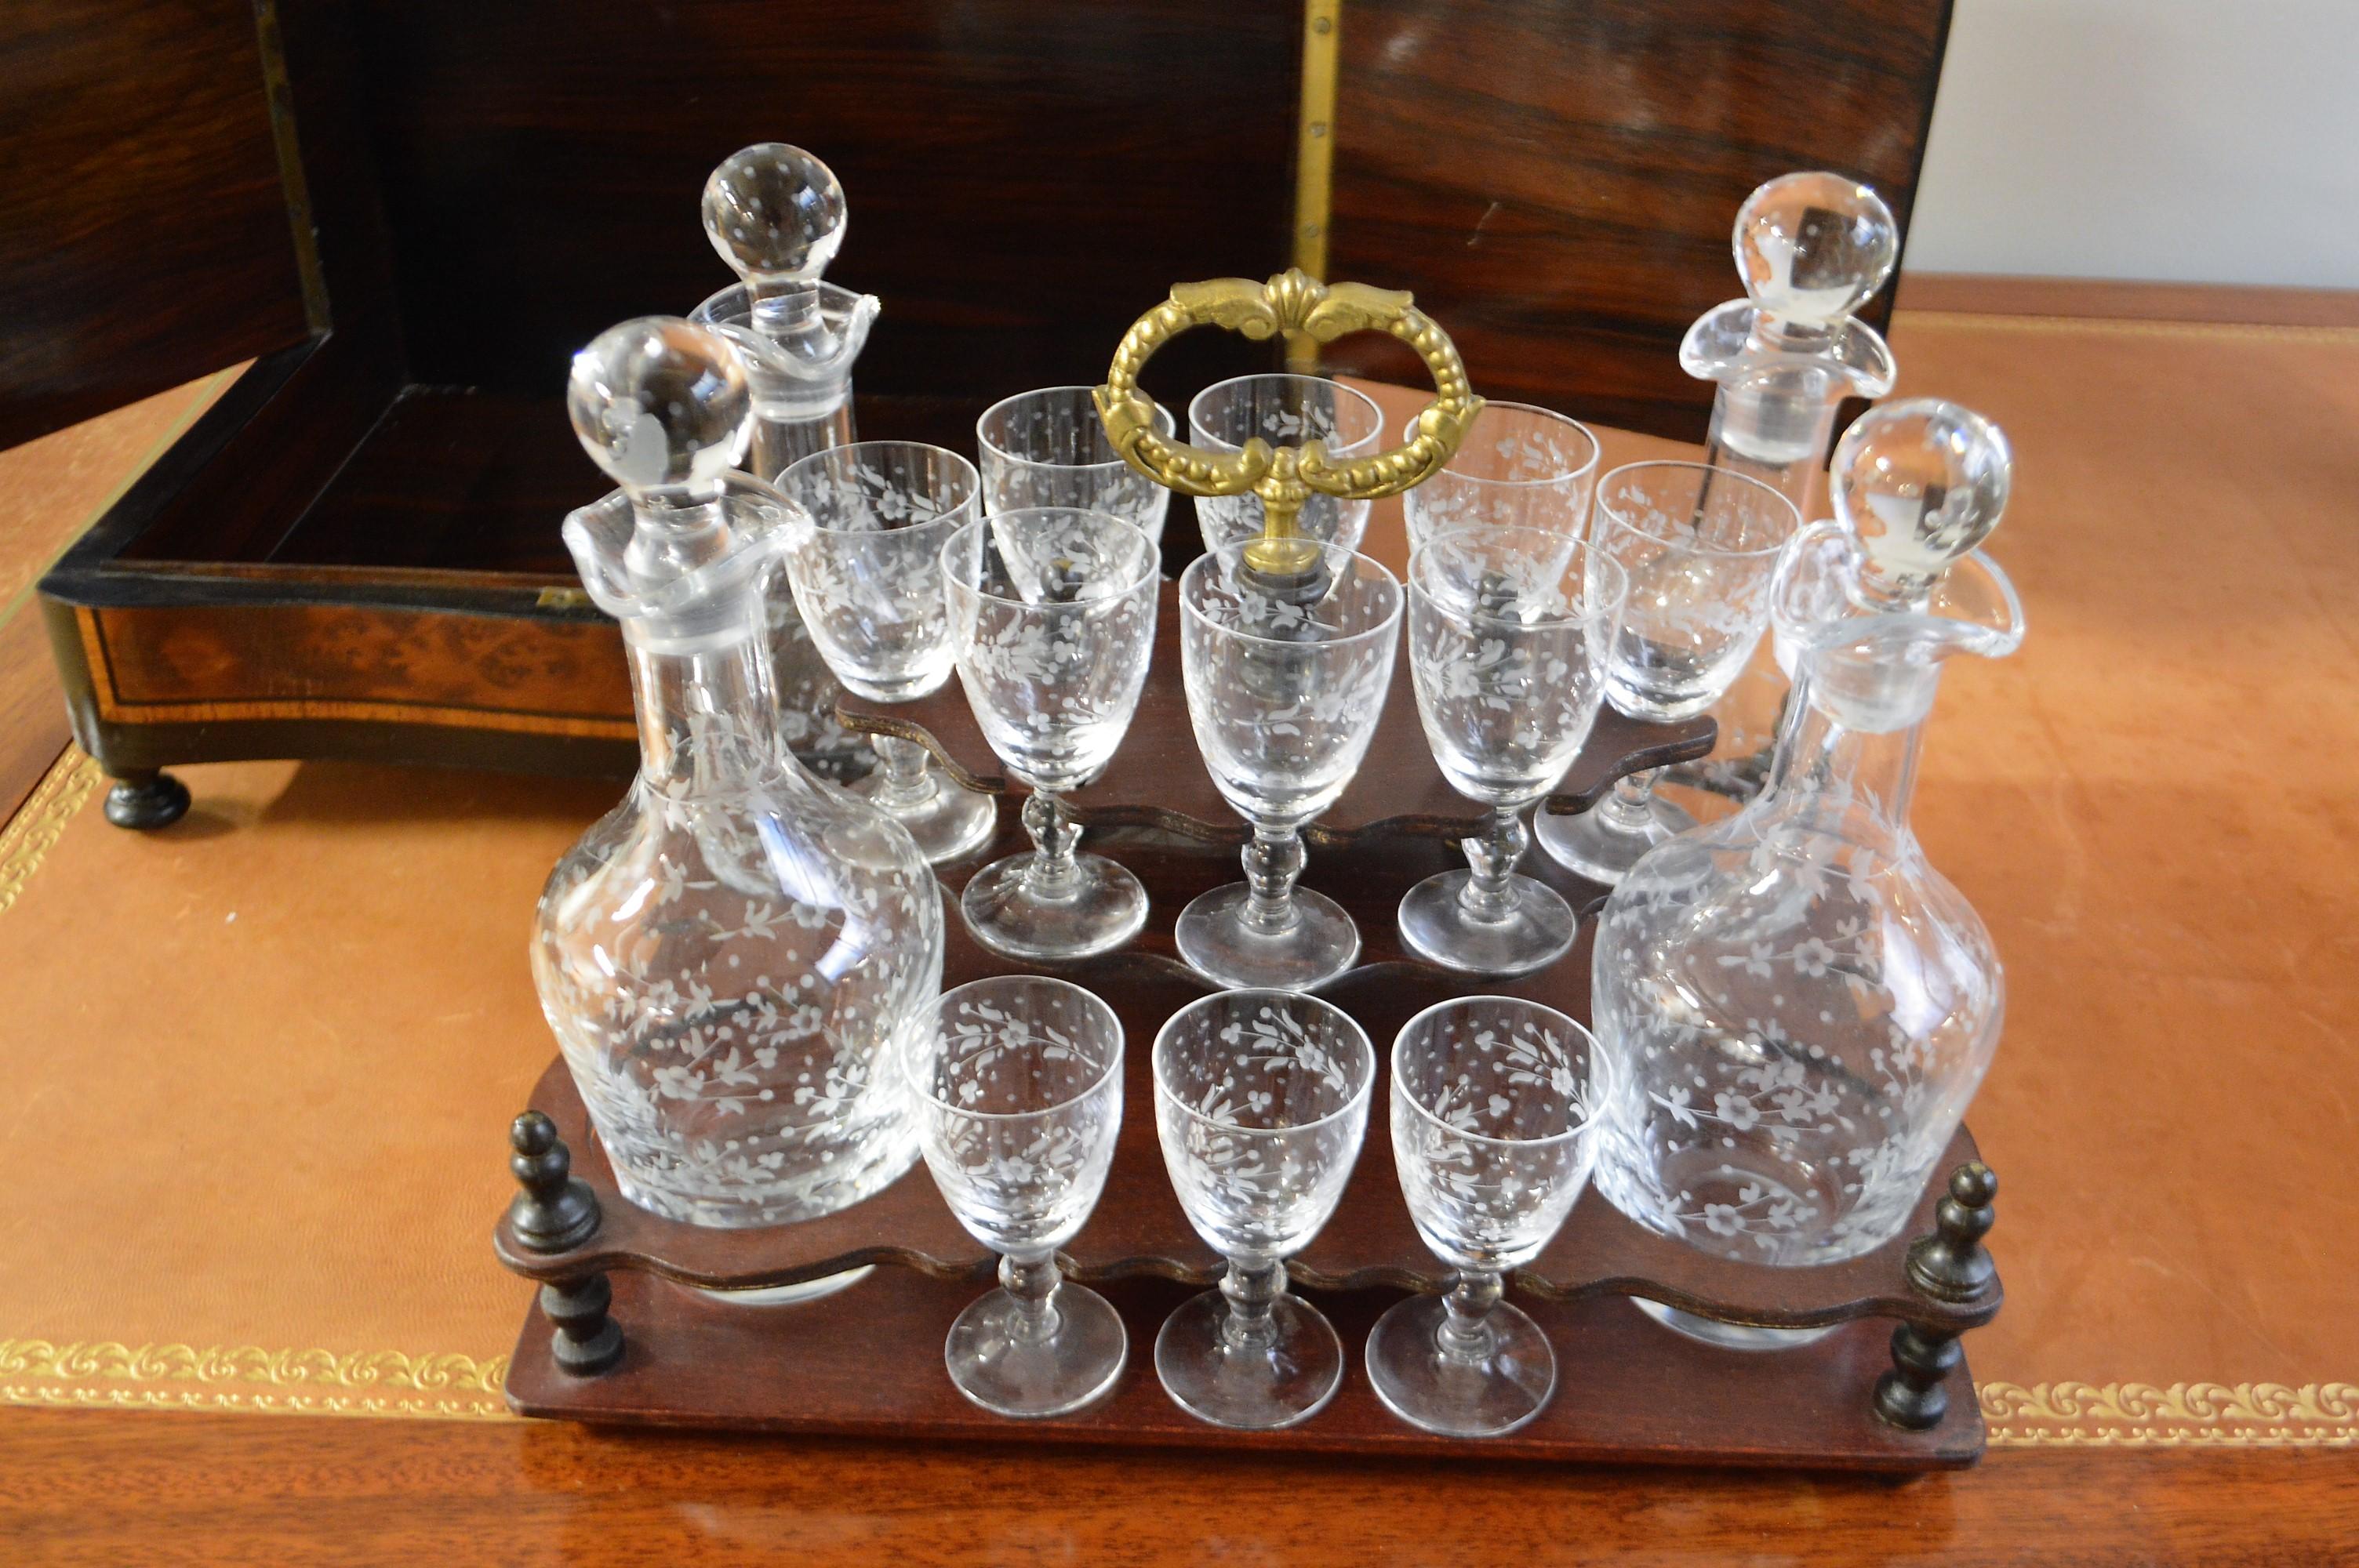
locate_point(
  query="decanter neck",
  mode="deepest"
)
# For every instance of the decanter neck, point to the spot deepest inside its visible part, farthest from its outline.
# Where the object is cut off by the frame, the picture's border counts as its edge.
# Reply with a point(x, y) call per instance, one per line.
point(708, 716)
point(1852, 784)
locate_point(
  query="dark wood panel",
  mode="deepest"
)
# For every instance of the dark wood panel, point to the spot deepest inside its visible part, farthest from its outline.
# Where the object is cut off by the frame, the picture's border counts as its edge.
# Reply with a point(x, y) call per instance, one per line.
point(1556, 179)
point(115, 1487)
point(1024, 179)
point(145, 239)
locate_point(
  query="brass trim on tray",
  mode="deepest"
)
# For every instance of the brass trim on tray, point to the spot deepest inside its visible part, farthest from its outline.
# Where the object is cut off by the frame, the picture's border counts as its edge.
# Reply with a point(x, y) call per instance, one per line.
point(1314, 157)
point(103, 1373)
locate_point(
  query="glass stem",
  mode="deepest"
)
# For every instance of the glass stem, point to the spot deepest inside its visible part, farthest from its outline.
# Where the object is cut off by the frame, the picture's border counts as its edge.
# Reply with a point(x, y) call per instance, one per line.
point(1032, 1283)
point(1272, 861)
point(1465, 1333)
point(1628, 810)
point(1054, 833)
point(908, 780)
point(1253, 1288)
point(1489, 892)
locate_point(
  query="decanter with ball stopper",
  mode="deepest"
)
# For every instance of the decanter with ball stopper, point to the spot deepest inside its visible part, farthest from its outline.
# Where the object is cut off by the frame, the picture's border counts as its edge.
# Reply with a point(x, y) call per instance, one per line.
point(733, 957)
point(1800, 1005)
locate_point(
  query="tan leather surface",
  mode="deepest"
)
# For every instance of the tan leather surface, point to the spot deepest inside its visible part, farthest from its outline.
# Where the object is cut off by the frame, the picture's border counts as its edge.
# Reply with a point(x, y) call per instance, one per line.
point(261, 1064)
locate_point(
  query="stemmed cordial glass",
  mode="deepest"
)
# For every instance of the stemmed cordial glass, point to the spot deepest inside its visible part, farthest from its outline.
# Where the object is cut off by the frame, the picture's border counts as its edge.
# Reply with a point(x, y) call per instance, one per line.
point(1285, 411)
point(1019, 1093)
point(1283, 692)
point(1519, 467)
point(1261, 1100)
point(1509, 630)
point(1492, 1102)
point(1052, 620)
point(1698, 544)
point(867, 579)
point(1049, 448)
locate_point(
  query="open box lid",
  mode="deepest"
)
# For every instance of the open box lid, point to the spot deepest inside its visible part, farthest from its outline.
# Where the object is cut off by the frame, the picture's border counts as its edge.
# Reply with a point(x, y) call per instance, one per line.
point(1554, 179)
point(144, 229)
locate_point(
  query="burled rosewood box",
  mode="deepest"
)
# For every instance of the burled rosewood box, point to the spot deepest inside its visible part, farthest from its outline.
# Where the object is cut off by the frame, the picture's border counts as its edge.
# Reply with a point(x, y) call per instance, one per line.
point(408, 213)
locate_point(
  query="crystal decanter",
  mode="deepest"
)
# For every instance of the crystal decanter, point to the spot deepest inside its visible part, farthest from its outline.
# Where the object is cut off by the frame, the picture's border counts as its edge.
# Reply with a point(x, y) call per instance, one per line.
point(776, 215)
point(1813, 249)
point(732, 957)
point(1800, 1005)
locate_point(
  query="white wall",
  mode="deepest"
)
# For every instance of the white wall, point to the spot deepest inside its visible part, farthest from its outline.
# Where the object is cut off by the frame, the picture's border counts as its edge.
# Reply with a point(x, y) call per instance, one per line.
point(2208, 141)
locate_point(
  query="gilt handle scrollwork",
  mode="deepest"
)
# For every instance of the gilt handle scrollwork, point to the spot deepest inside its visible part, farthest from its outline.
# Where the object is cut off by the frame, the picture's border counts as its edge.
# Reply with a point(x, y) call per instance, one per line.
point(1285, 477)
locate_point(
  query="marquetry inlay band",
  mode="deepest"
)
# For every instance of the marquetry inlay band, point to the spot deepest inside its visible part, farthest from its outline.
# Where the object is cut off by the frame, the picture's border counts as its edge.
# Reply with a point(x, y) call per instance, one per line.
point(2151, 1415)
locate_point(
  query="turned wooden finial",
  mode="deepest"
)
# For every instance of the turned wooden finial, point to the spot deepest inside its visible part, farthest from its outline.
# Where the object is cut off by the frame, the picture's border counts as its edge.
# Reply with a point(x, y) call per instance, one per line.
point(556, 1211)
point(1951, 1264)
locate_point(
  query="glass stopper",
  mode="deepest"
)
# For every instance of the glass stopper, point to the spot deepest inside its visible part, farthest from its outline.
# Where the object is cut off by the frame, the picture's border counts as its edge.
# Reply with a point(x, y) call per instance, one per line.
point(659, 403)
point(1813, 248)
point(1920, 482)
point(775, 214)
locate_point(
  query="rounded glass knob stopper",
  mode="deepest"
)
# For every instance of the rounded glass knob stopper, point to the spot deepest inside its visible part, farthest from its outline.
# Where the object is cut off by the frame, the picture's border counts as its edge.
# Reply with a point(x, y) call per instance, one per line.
point(775, 214)
point(660, 402)
point(1814, 247)
point(1920, 484)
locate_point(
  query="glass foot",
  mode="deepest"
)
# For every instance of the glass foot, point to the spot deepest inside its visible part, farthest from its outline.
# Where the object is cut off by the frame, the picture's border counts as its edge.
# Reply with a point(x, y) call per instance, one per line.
point(1102, 908)
point(1730, 1335)
point(1215, 942)
point(1587, 845)
point(1289, 1380)
point(1484, 1397)
point(787, 1295)
point(1439, 929)
point(949, 825)
point(1008, 1374)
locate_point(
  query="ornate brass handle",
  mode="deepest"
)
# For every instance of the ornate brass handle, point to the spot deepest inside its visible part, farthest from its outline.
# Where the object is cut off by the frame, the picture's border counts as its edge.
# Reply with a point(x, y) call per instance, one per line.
point(1284, 477)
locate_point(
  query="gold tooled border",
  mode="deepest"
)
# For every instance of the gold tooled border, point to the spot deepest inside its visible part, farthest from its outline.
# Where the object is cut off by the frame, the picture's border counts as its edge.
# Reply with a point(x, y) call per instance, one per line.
point(2175, 1415)
point(107, 1374)
point(28, 837)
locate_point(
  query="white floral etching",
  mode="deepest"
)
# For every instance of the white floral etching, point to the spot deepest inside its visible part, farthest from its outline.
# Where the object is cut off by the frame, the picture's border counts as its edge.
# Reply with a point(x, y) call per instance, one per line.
point(729, 960)
point(1024, 1099)
point(1521, 468)
point(1261, 1109)
point(1284, 697)
point(1053, 626)
point(1507, 657)
point(1698, 598)
point(1801, 1008)
point(866, 577)
point(1491, 1121)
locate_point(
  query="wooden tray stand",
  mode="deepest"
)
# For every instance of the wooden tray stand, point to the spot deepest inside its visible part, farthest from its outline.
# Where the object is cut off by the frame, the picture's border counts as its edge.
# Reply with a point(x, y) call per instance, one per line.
point(625, 1328)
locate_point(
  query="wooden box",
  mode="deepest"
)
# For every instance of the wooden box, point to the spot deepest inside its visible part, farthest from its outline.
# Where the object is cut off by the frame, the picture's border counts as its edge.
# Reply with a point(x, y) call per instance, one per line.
point(408, 213)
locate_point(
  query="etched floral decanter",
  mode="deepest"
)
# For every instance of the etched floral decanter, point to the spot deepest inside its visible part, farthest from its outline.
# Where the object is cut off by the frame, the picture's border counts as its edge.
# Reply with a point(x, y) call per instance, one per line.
point(1799, 1004)
point(731, 957)
point(776, 215)
point(1811, 248)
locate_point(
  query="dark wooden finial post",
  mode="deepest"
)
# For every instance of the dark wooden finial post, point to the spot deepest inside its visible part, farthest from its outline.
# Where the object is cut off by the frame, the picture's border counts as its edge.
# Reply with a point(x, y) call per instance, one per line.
point(1950, 1265)
point(555, 1213)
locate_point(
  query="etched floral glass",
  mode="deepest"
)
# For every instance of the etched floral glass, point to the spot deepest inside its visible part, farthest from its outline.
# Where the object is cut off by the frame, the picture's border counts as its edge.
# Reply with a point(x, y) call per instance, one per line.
point(1285, 411)
point(1799, 1006)
point(1509, 631)
point(1052, 619)
point(733, 957)
point(1019, 1097)
point(1261, 1101)
point(1698, 544)
point(1494, 1104)
point(1519, 467)
point(776, 216)
point(867, 579)
point(1284, 697)
point(1050, 448)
